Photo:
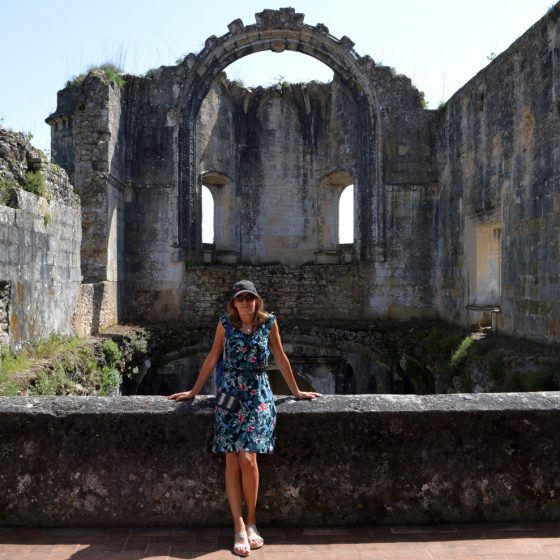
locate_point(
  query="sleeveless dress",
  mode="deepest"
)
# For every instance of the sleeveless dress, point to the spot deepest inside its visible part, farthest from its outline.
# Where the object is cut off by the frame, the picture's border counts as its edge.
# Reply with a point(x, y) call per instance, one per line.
point(252, 428)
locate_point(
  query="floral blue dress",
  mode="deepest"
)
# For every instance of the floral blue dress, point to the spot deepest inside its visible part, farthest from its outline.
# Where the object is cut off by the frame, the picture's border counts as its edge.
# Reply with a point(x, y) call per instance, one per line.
point(252, 428)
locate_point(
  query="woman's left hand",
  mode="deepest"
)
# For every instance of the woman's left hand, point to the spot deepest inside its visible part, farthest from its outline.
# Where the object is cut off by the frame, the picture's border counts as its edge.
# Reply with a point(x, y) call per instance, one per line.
point(307, 395)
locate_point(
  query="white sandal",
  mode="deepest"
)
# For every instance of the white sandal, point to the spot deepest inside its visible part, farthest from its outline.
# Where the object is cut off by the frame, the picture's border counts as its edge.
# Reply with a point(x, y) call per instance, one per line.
point(241, 544)
point(255, 540)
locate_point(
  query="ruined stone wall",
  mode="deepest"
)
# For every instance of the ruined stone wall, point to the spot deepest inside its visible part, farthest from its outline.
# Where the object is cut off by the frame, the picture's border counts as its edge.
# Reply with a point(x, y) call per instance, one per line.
point(498, 158)
point(39, 247)
point(274, 147)
point(259, 190)
point(153, 262)
point(463, 221)
point(339, 460)
point(88, 142)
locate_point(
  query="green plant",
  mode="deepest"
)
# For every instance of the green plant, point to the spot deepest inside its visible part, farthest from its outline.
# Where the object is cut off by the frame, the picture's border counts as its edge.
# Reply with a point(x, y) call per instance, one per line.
point(28, 136)
point(139, 346)
point(132, 372)
point(460, 354)
point(423, 100)
point(111, 352)
point(35, 183)
point(111, 380)
point(8, 196)
point(8, 366)
point(279, 82)
point(76, 80)
point(113, 73)
point(56, 381)
point(442, 105)
point(47, 218)
point(71, 368)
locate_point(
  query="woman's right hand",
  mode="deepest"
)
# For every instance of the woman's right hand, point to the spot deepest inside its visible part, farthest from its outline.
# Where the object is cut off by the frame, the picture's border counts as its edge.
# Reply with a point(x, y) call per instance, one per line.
point(185, 395)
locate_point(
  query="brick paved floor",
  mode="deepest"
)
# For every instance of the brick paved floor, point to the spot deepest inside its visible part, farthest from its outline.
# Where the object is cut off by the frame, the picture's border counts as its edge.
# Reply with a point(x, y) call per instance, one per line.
point(528, 541)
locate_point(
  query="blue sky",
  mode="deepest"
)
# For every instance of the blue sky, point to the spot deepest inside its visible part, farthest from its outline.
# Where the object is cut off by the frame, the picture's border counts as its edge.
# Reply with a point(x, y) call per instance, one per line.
point(439, 44)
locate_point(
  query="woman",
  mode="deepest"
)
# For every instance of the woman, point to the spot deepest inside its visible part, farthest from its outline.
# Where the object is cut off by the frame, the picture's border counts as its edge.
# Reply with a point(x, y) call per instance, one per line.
point(248, 334)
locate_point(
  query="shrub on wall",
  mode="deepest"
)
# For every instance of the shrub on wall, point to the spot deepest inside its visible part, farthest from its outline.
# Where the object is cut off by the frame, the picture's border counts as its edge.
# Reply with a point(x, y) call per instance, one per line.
point(35, 183)
point(62, 366)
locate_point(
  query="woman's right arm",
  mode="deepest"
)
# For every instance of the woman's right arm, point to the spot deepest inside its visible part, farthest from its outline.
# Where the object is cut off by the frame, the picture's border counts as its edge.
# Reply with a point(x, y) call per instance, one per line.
point(207, 366)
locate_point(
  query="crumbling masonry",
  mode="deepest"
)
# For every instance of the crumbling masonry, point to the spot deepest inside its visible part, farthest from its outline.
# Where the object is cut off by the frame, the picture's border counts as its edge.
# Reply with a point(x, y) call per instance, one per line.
point(457, 211)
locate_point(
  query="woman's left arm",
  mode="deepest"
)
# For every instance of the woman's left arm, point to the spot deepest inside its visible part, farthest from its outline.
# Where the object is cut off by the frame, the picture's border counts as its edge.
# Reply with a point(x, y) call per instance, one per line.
point(284, 365)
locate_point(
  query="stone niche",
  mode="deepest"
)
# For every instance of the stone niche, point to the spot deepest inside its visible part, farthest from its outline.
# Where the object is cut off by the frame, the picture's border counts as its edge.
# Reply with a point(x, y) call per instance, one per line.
point(456, 211)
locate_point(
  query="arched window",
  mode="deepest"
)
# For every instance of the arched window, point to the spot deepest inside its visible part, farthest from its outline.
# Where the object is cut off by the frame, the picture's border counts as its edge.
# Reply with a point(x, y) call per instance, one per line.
point(207, 215)
point(346, 216)
point(218, 211)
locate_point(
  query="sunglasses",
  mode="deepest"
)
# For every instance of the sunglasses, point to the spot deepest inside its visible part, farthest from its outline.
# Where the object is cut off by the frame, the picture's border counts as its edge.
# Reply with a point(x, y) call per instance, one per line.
point(245, 297)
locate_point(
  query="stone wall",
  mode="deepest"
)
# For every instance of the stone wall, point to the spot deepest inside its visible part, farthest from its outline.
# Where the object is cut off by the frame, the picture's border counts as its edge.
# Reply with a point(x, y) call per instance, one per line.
point(352, 291)
point(87, 141)
point(39, 247)
point(276, 160)
point(498, 158)
point(456, 211)
point(340, 460)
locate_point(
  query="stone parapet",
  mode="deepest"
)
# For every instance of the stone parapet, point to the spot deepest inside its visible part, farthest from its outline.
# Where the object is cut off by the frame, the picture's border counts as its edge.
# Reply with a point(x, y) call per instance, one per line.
point(340, 460)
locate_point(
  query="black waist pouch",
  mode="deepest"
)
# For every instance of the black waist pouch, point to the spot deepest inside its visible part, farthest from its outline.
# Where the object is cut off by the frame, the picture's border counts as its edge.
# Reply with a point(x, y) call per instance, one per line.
point(227, 402)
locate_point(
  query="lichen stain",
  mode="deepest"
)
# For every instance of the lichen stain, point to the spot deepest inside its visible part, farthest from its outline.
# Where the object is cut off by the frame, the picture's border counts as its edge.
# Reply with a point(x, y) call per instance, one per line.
point(19, 292)
point(14, 323)
point(497, 149)
point(524, 131)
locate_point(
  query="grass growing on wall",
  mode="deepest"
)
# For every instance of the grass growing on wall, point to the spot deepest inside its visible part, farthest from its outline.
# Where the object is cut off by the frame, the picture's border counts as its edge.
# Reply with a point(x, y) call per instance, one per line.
point(111, 71)
point(34, 183)
point(460, 355)
point(10, 364)
point(62, 366)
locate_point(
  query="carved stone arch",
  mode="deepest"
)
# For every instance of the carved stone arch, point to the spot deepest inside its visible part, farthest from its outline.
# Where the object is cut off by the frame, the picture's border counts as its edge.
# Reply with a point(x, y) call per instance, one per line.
point(279, 30)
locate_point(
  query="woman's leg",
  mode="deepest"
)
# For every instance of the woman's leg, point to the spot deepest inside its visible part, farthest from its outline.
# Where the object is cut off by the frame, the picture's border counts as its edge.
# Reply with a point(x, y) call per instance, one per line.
point(233, 490)
point(250, 482)
point(241, 545)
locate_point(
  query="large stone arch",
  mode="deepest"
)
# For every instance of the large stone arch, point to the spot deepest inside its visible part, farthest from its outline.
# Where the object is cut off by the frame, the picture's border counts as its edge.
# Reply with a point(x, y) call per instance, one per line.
point(280, 30)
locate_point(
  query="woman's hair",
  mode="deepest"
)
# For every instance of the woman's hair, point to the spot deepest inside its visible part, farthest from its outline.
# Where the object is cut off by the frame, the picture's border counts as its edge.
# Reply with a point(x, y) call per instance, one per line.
point(258, 319)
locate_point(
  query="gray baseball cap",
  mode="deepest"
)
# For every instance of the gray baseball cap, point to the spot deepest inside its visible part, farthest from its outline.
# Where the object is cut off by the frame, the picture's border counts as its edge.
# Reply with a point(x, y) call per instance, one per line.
point(242, 287)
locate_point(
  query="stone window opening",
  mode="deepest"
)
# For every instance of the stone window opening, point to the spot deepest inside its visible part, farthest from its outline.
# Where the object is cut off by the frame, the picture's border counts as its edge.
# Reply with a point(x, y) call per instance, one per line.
point(217, 223)
point(207, 216)
point(484, 250)
point(346, 219)
point(337, 219)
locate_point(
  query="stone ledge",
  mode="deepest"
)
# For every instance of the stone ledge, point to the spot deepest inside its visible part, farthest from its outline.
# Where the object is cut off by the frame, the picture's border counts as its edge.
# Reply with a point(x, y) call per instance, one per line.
point(340, 460)
point(287, 405)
